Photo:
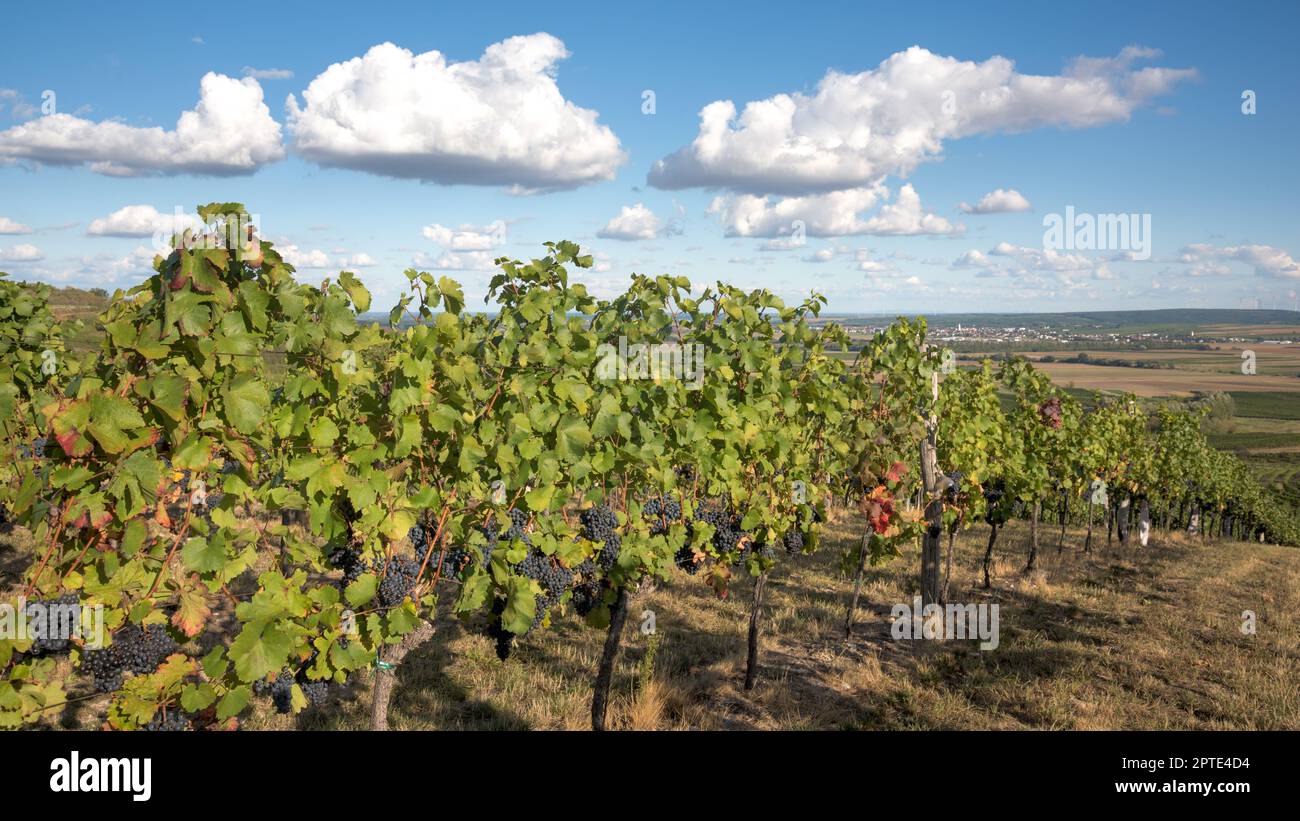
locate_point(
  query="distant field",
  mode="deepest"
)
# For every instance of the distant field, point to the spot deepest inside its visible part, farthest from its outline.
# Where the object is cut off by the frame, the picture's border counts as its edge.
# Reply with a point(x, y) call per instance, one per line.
point(1277, 405)
point(1176, 382)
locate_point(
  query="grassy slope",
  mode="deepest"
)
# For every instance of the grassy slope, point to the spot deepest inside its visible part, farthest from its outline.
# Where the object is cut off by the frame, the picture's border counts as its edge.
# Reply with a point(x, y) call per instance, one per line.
point(1139, 639)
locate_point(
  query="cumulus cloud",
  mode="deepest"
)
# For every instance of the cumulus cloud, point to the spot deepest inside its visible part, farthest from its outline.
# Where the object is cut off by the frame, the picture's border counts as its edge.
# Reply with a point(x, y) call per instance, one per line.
point(299, 258)
point(1033, 264)
point(633, 222)
point(855, 129)
point(141, 221)
point(8, 226)
point(1000, 201)
point(872, 266)
point(834, 214)
point(499, 120)
point(1268, 261)
point(466, 237)
point(229, 132)
point(21, 253)
point(457, 261)
point(905, 217)
point(362, 260)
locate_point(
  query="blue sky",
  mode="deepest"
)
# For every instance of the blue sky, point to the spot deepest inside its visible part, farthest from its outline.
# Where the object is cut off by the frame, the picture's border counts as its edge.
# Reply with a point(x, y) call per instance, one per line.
point(396, 160)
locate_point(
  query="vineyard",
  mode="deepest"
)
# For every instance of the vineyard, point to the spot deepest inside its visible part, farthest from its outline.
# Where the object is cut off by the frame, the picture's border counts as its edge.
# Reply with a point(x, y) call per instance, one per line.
point(270, 498)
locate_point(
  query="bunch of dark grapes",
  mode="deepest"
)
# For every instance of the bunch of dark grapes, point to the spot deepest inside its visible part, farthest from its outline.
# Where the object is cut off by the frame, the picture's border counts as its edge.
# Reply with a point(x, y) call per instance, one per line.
point(955, 488)
point(793, 541)
point(37, 449)
point(726, 528)
point(551, 575)
point(134, 649)
point(686, 473)
point(685, 559)
point(317, 692)
point(600, 525)
point(419, 539)
point(282, 692)
point(58, 617)
point(515, 532)
point(348, 559)
point(994, 496)
point(504, 638)
point(398, 581)
point(173, 721)
point(662, 513)
point(588, 588)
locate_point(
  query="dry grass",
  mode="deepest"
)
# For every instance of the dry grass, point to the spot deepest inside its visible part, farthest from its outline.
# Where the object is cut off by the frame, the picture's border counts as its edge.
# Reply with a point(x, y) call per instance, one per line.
point(1143, 638)
point(1138, 638)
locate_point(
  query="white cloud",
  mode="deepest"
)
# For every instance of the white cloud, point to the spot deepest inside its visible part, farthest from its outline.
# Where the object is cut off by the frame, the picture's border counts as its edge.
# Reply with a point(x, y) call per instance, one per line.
point(905, 217)
point(229, 132)
point(1268, 261)
point(8, 226)
point(633, 222)
point(268, 73)
point(498, 120)
point(834, 214)
point(872, 266)
point(1033, 264)
point(997, 202)
point(141, 221)
point(466, 237)
point(299, 258)
point(21, 253)
point(457, 261)
point(358, 261)
point(855, 129)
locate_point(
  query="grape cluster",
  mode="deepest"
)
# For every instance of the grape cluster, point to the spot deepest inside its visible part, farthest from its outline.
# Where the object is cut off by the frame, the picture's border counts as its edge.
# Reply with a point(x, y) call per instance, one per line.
point(793, 541)
point(134, 649)
point(282, 692)
point(317, 692)
point(504, 638)
point(662, 513)
point(685, 559)
point(993, 493)
point(600, 525)
point(37, 449)
point(587, 587)
point(398, 581)
point(955, 488)
point(726, 528)
point(53, 622)
point(515, 532)
point(348, 559)
point(173, 721)
point(551, 575)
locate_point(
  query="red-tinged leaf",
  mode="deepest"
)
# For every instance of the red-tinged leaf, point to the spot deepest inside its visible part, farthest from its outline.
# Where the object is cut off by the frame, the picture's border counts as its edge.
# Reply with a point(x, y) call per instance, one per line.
point(192, 611)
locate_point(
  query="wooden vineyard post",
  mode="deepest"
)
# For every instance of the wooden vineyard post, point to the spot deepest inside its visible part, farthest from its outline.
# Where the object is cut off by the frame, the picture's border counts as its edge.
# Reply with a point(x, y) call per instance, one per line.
point(755, 614)
point(857, 586)
point(931, 542)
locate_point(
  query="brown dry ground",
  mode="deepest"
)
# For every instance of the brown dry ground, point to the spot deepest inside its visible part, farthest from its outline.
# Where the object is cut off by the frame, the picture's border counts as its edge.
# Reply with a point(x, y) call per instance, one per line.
point(1129, 637)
